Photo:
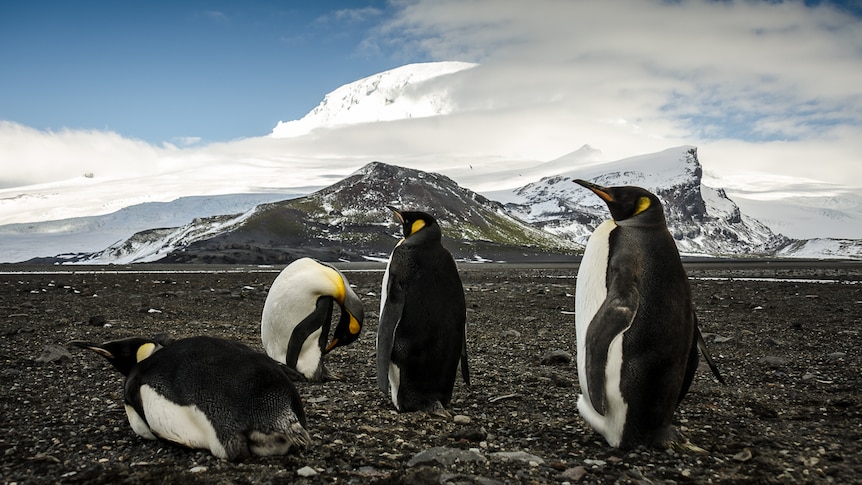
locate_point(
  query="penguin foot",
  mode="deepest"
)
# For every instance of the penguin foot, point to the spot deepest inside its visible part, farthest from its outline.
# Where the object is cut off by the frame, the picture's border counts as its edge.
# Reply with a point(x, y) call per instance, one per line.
point(686, 447)
point(677, 441)
point(438, 411)
point(330, 376)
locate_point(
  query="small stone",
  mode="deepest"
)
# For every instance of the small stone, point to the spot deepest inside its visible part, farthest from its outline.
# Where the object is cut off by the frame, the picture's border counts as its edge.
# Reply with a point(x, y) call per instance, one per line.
point(198, 469)
point(98, 320)
point(836, 355)
point(53, 353)
point(743, 455)
point(519, 456)
point(461, 419)
point(306, 472)
point(511, 334)
point(774, 361)
point(556, 357)
point(445, 456)
point(575, 474)
point(561, 381)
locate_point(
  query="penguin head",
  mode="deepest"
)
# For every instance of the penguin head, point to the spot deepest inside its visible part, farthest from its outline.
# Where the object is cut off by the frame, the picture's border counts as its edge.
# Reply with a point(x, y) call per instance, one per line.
point(629, 205)
point(415, 222)
point(352, 313)
point(123, 354)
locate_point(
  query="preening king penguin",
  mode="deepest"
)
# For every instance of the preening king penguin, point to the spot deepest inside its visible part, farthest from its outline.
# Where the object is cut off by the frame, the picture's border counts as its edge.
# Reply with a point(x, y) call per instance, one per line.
point(421, 335)
point(636, 328)
point(208, 393)
point(297, 316)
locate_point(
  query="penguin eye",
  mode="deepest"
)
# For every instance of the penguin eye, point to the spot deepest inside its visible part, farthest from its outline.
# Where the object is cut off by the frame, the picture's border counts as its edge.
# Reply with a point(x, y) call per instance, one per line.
point(642, 205)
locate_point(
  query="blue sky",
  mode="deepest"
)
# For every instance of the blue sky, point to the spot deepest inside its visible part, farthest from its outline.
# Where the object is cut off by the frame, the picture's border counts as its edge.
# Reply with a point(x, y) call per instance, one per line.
point(163, 70)
point(759, 86)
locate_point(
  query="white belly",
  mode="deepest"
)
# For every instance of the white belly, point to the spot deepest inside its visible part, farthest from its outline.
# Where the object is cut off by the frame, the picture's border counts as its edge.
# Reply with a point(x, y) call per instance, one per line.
point(185, 425)
point(310, 355)
point(590, 292)
point(394, 383)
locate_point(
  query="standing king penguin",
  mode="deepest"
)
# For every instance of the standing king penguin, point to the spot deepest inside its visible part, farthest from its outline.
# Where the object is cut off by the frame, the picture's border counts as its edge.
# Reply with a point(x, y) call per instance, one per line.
point(297, 316)
point(637, 334)
point(421, 335)
point(208, 393)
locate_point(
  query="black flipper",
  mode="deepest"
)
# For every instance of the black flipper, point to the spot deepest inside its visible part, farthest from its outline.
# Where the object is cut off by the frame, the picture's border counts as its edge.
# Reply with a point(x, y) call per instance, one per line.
point(613, 317)
point(390, 315)
point(706, 355)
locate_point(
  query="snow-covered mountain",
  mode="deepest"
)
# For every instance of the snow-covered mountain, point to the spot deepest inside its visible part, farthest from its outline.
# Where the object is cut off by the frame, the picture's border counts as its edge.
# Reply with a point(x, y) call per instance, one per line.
point(357, 125)
point(25, 241)
point(546, 219)
point(405, 92)
point(346, 221)
point(703, 220)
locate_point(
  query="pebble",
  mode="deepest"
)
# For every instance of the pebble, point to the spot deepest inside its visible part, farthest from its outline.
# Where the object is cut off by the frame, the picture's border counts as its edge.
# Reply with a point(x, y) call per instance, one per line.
point(306, 472)
point(575, 474)
point(519, 456)
point(743, 455)
point(837, 355)
point(98, 320)
point(556, 357)
point(461, 419)
point(54, 353)
point(445, 456)
point(774, 361)
point(198, 469)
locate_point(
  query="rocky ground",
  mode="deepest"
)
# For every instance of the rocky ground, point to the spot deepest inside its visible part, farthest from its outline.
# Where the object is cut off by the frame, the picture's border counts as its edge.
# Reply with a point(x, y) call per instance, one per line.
point(789, 350)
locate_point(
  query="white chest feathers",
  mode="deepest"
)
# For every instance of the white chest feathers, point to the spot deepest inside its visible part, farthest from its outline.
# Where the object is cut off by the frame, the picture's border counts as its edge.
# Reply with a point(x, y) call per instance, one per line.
point(185, 425)
point(591, 289)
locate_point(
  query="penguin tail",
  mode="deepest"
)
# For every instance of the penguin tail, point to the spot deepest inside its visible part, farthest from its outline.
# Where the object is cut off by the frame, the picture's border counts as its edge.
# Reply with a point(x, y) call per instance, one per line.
point(701, 344)
point(465, 369)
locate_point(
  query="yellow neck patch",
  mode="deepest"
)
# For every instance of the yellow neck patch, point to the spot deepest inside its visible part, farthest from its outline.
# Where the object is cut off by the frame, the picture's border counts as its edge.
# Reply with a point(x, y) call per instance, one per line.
point(145, 351)
point(416, 226)
point(354, 325)
point(338, 290)
point(643, 204)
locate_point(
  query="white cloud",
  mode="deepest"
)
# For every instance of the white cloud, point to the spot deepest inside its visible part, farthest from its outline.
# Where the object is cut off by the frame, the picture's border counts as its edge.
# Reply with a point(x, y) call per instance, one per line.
point(31, 156)
point(771, 83)
point(759, 87)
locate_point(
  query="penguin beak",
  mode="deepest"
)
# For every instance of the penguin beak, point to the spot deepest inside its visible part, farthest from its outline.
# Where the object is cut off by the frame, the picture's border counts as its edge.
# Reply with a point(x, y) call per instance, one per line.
point(597, 189)
point(353, 329)
point(397, 214)
point(91, 346)
point(331, 346)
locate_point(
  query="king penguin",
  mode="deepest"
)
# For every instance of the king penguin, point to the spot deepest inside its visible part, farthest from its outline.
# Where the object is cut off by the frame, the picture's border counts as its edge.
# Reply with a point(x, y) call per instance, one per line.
point(297, 316)
point(636, 328)
point(421, 337)
point(208, 393)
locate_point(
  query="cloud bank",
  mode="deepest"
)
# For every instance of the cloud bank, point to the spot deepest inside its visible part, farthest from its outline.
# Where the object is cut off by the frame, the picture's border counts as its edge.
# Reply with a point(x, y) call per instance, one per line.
point(762, 88)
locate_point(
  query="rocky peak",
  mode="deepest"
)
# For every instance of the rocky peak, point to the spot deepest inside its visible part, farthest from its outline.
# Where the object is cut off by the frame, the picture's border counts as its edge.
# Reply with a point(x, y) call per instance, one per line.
point(701, 219)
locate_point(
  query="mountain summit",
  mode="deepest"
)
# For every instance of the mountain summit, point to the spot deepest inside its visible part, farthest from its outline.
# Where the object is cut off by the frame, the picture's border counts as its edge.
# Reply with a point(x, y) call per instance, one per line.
point(345, 221)
point(702, 220)
point(396, 94)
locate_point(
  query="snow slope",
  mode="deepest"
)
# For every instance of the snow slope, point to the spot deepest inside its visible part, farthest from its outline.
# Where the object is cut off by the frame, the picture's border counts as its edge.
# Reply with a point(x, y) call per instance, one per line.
point(396, 94)
point(703, 220)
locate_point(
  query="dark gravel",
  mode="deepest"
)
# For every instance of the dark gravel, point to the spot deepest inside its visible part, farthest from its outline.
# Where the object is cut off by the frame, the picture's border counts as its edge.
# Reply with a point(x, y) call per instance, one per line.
point(789, 351)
